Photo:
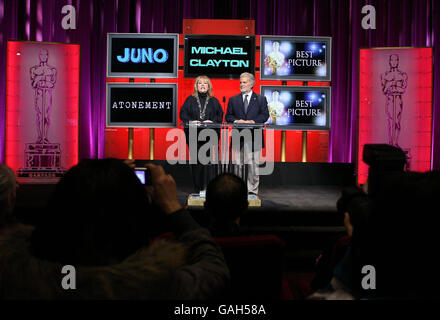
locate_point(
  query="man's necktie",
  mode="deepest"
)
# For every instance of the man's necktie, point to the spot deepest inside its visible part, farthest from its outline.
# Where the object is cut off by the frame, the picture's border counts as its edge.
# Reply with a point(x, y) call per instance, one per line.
point(246, 103)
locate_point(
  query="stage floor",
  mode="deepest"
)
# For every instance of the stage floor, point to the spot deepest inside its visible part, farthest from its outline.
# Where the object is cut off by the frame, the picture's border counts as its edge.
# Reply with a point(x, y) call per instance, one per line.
point(292, 198)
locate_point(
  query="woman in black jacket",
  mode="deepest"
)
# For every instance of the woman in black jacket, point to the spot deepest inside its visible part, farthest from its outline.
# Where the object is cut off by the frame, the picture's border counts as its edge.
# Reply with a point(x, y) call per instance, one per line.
point(201, 108)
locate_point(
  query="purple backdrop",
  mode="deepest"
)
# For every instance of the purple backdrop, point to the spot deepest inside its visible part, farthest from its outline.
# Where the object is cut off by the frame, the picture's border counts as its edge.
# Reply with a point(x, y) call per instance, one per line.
point(399, 23)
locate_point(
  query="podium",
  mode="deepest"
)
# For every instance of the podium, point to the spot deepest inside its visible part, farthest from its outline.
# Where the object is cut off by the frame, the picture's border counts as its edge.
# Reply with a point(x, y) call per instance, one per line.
point(223, 155)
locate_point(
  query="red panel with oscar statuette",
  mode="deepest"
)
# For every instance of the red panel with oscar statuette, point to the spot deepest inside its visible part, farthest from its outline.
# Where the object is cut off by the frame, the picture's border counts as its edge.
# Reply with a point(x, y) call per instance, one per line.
point(42, 103)
point(395, 104)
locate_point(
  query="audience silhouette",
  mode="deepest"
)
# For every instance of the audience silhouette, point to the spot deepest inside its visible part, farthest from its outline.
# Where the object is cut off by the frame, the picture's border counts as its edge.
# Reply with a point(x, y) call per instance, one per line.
point(101, 221)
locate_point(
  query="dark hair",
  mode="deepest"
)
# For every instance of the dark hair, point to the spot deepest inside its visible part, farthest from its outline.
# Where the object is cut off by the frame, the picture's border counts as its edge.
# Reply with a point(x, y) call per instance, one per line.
point(383, 160)
point(97, 215)
point(8, 187)
point(358, 205)
point(226, 197)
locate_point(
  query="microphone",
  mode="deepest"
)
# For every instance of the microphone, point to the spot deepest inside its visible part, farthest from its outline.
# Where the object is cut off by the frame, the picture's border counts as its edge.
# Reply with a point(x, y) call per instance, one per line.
point(224, 105)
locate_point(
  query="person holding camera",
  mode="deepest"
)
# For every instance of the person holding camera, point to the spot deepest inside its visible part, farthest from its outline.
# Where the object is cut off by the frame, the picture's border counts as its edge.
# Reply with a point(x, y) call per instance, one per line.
point(100, 222)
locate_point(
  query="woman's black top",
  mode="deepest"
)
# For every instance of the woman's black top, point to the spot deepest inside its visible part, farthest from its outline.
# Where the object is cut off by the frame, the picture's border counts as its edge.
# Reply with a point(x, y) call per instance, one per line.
point(190, 110)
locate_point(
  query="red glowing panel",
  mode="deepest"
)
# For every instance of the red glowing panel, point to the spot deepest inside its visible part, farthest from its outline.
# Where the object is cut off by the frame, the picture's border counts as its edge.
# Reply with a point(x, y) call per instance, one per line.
point(395, 103)
point(42, 100)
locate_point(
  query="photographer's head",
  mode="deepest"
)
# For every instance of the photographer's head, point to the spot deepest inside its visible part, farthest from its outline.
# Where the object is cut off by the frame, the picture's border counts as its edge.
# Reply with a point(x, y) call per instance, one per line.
point(226, 199)
point(354, 204)
point(98, 214)
point(383, 160)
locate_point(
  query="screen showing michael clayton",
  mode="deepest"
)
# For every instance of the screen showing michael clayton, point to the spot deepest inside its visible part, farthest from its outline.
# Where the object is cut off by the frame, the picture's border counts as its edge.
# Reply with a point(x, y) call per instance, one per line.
point(142, 55)
point(219, 56)
point(298, 108)
point(295, 58)
point(134, 105)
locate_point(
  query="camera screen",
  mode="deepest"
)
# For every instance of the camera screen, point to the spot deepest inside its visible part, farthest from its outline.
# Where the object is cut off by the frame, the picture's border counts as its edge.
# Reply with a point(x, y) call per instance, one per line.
point(141, 175)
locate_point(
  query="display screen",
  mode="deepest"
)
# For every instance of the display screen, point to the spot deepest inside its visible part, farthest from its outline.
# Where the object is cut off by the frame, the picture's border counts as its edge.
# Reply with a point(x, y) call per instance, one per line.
point(298, 108)
point(141, 55)
point(141, 105)
point(295, 58)
point(141, 175)
point(219, 56)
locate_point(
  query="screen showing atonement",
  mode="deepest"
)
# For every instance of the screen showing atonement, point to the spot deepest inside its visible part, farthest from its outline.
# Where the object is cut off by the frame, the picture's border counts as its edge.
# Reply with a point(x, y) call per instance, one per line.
point(141, 105)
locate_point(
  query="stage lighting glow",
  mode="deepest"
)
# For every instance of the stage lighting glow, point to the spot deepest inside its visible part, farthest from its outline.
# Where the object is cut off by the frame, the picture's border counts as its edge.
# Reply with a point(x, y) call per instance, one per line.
point(268, 46)
point(285, 97)
point(284, 120)
point(286, 48)
point(320, 121)
point(321, 71)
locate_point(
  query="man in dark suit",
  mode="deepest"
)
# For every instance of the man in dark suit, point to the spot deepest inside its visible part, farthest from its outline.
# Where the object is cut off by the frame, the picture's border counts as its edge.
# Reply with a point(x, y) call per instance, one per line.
point(251, 108)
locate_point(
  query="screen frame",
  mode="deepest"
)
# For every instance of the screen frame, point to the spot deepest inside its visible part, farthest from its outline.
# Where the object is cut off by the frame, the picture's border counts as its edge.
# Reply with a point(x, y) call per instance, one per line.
point(303, 127)
point(109, 124)
point(218, 36)
point(158, 75)
point(300, 77)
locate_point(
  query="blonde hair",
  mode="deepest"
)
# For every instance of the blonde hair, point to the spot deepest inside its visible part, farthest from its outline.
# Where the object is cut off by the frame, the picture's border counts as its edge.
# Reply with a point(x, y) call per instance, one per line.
point(196, 92)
